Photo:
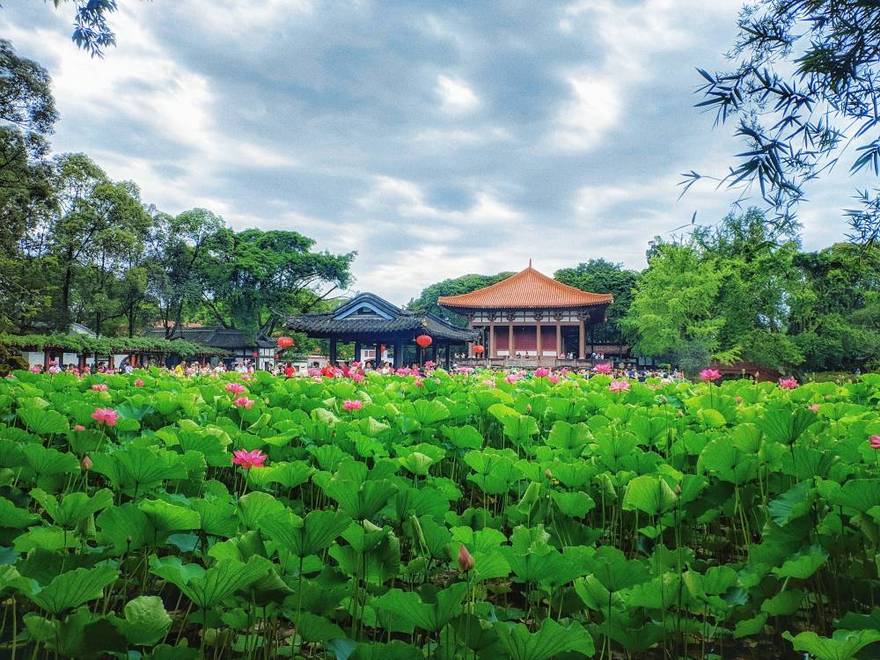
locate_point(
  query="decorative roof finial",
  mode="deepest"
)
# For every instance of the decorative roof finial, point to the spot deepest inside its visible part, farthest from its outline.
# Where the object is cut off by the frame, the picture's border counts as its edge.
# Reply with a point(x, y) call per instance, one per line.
point(530, 262)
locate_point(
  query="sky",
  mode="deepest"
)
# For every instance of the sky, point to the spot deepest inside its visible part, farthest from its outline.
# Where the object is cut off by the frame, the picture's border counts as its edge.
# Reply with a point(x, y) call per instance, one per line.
point(434, 138)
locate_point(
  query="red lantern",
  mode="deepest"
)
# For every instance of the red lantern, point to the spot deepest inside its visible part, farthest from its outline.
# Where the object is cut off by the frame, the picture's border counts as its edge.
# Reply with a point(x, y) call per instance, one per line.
point(285, 342)
point(424, 341)
point(479, 349)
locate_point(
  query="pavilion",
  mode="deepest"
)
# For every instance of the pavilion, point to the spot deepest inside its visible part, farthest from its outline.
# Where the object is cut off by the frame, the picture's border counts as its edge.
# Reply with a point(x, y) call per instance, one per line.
point(370, 321)
point(531, 317)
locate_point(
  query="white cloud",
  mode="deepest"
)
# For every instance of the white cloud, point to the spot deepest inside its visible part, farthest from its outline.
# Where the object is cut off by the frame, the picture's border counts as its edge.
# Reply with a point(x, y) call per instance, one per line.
point(461, 137)
point(139, 85)
point(406, 199)
point(631, 35)
point(456, 96)
point(594, 108)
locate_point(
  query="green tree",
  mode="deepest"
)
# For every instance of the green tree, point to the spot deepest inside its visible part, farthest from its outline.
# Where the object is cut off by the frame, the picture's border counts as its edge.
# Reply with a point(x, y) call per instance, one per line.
point(72, 230)
point(760, 280)
point(111, 280)
point(674, 309)
point(253, 278)
point(602, 276)
point(177, 246)
point(835, 314)
point(802, 91)
point(427, 300)
point(27, 117)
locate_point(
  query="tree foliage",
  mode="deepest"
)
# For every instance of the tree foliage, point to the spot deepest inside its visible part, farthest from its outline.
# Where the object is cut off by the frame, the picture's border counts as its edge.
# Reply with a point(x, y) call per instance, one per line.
point(427, 300)
point(803, 94)
point(602, 276)
point(674, 309)
point(252, 278)
point(735, 291)
point(27, 118)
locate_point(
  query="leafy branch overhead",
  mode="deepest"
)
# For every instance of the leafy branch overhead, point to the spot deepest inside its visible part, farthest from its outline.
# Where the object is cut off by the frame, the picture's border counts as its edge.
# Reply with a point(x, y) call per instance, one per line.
point(803, 96)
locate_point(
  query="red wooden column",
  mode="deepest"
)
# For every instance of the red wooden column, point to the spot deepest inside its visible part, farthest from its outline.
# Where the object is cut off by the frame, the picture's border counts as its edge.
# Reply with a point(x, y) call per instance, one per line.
point(492, 348)
point(582, 349)
point(510, 345)
point(539, 343)
point(558, 340)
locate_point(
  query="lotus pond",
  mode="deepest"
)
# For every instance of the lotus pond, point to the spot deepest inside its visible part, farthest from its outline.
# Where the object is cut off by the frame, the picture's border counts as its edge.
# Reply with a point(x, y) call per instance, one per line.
point(450, 516)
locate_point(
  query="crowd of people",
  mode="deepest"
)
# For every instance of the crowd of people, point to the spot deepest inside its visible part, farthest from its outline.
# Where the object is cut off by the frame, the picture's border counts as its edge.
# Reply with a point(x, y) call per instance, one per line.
point(358, 370)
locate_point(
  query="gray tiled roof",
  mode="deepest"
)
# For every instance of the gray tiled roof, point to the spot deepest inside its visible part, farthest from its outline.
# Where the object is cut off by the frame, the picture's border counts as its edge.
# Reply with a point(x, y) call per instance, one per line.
point(216, 337)
point(346, 321)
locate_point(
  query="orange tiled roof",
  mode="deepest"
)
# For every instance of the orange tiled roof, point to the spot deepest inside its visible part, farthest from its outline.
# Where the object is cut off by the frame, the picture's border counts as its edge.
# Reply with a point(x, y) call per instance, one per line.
point(528, 289)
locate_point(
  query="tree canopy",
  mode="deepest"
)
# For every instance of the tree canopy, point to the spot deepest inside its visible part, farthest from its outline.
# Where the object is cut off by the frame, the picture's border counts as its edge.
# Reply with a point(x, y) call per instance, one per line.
point(734, 292)
point(427, 300)
point(602, 276)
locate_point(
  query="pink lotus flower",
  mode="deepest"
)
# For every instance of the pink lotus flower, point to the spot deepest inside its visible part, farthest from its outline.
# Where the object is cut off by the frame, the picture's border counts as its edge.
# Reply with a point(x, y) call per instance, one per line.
point(314, 371)
point(79, 427)
point(604, 368)
point(419, 381)
point(542, 372)
point(86, 463)
point(248, 459)
point(788, 383)
point(357, 377)
point(814, 408)
point(235, 388)
point(35, 369)
point(352, 404)
point(874, 441)
point(243, 402)
point(512, 378)
point(99, 387)
point(618, 386)
point(489, 382)
point(139, 383)
point(465, 559)
point(553, 378)
point(710, 375)
point(106, 416)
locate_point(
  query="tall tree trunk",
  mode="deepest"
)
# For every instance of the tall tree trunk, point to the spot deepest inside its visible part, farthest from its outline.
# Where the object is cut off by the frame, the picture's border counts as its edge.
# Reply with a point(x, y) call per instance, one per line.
point(66, 284)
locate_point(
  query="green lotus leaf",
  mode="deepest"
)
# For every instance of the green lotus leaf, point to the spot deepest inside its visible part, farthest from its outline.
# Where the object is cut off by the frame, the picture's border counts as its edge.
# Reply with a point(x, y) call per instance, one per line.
point(649, 494)
point(73, 588)
point(550, 640)
point(842, 645)
point(145, 621)
point(43, 421)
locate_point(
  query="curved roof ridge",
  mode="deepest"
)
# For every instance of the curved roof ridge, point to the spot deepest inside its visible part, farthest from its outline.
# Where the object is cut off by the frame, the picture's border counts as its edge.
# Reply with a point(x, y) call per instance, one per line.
point(528, 288)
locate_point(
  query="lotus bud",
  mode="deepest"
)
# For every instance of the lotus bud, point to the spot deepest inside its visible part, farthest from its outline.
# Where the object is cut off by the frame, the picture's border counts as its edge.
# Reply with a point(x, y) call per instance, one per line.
point(86, 463)
point(465, 559)
point(531, 495)
point(370, 527)
point(417, 528)
point(548, 474)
